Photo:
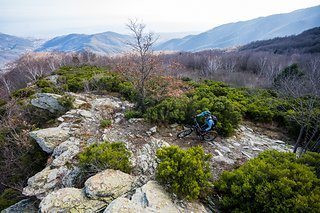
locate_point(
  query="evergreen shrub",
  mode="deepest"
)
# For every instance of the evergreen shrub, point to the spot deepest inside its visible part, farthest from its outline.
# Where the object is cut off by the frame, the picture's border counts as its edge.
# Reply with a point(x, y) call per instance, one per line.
point(272, 182)
point(106, 155)
point(185, 172)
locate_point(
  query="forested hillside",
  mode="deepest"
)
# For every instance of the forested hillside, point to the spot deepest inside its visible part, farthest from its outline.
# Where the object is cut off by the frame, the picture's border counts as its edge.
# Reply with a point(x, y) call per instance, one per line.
point(306, 42)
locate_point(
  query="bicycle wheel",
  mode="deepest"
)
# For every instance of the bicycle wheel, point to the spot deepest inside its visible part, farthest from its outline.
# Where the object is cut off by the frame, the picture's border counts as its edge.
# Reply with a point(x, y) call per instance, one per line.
point(184, 133)
point(210, 136)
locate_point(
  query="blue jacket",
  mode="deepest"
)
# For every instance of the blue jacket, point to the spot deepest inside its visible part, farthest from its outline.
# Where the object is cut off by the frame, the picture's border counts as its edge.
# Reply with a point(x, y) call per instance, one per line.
point(209, 122)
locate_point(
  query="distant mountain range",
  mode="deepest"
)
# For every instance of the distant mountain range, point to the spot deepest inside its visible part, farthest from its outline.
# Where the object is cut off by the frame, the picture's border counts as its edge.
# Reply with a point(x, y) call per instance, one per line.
point(11, 47)
point(224, 36)
point(306, 42)
point(101, 43)
point(240, 33)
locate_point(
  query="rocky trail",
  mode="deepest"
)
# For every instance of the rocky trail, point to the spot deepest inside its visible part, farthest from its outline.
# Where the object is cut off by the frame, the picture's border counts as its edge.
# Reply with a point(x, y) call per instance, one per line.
point(115, 191)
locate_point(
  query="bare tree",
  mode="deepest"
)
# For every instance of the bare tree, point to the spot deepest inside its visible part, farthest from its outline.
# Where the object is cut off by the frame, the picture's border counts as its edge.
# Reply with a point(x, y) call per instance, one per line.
point(302, 93)
point(142, 55)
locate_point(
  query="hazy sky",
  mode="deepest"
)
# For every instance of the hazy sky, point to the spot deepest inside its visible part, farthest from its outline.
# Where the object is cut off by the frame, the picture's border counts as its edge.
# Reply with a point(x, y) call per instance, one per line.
point(42, 18)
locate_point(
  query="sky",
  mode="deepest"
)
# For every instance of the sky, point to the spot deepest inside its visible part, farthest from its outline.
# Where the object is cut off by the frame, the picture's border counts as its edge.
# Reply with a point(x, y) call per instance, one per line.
point(48, 18)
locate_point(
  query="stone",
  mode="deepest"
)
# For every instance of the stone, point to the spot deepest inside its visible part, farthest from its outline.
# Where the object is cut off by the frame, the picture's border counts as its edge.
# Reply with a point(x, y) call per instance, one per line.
point(108, 185)
point(246, 154)
point(48, 102)
point(153, 198)
point(145, 159)
point(223, 159)
point(50, 138)
point(152, 131)
point(49, 180)
point(65, 152)
point(70, 200)
point(223, 148)
point(135, 120)
point(23, 206)
point(123, 205)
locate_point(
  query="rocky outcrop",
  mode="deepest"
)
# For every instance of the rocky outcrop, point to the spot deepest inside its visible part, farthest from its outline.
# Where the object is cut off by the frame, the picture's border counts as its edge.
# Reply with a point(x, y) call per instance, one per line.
point(48, 180)
point(108, 185)
point(48, 139)
point(48, 101)
point(152, 198)
point(70, 200)
point(145, 160)
point(65, 152)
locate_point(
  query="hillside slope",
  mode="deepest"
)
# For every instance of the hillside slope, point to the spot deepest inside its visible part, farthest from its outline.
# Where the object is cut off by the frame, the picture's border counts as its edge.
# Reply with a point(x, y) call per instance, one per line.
point(11, 47)
point(101, 43)
point(306, 42)
point(239, 33)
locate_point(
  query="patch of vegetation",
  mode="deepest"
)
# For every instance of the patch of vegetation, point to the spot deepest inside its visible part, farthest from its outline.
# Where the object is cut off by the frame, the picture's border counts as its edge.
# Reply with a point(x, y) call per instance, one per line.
point(272, 182)
point(184, 172)
point(133, 114)
point(106, 155)
point(105, 123)
point(8, 197)
point(23, 93)
point(66, 101)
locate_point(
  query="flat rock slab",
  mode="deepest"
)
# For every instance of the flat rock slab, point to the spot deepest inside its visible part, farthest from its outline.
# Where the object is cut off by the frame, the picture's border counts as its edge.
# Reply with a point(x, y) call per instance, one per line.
point(50, 138)
point(108, 185)
point(70, 200)
point(48, 102)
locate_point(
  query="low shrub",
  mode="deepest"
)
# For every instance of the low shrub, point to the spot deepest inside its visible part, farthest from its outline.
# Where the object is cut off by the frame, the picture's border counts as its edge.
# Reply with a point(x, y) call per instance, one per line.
point(66, 101)
point(106, 155)
point(23, 93)
point(8, 197)
point(184, 172)
point(105, 123)
point(133, 114)
point(272, 182)
point(170, 110)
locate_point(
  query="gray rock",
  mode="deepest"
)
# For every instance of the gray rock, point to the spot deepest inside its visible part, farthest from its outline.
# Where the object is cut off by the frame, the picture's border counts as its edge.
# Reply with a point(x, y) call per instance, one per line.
point(65, 152)
point(123, 205)
point(70, 200)
point(135, 120)
point(24, 206)
point(154, 198)
point(152, 131)
point(48, 102)
point(145, 159)
point(49, 180)
point(50, 138)
point(108, 185)
point(223, 159)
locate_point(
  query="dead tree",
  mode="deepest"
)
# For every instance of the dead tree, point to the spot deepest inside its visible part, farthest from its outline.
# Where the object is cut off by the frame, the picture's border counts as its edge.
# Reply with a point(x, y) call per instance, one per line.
point(142, 56)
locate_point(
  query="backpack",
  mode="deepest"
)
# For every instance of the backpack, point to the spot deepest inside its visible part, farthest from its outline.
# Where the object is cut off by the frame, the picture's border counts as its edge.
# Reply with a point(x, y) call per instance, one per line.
point(215, 119)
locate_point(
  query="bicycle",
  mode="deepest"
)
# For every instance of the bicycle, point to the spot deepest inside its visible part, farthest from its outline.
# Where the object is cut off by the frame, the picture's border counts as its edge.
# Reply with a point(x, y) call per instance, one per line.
point(207, 136)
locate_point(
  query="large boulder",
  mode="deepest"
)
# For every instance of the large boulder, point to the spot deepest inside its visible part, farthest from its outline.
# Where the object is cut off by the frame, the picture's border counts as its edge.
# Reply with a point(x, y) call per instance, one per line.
point(50, 138)
point(48, 180)
point(70, 200)
point(123, 205)
point(108, 185)
point(48, 102)
point(152, 198)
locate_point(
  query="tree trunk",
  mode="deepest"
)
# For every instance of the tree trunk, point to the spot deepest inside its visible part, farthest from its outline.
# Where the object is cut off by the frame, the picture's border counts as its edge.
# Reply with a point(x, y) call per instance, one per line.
point(298, 140)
